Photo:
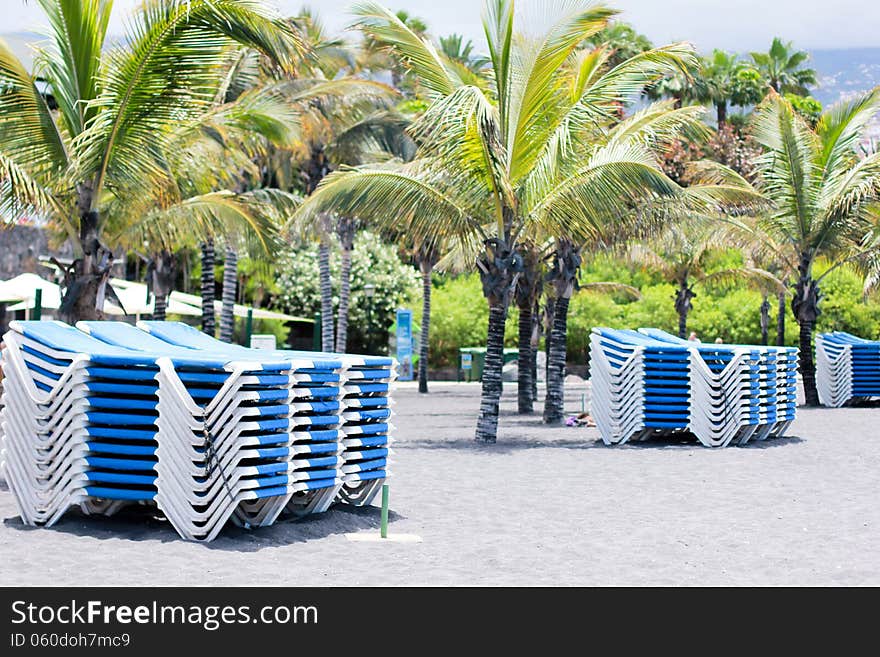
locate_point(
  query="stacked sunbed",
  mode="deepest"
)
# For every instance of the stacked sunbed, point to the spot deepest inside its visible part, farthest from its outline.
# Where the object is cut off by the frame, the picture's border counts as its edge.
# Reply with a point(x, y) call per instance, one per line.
point(107, 414)
point(650, 383)
point(364, 404)
point(847, 368)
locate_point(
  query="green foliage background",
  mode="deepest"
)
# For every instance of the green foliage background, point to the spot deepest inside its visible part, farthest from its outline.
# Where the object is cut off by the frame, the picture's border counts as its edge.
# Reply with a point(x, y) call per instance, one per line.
point(460, 314)
point(397, 284)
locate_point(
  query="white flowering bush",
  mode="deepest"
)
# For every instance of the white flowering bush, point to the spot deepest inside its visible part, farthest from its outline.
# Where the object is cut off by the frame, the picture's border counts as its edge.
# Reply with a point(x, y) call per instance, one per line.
point(373, 261)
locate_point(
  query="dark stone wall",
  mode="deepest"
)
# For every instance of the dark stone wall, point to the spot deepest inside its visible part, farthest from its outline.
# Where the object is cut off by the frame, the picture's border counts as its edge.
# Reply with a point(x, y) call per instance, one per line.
point(21, 248)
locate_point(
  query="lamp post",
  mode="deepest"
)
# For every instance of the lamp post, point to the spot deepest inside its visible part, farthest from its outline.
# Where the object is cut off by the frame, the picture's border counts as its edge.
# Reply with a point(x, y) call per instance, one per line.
point(369, 291)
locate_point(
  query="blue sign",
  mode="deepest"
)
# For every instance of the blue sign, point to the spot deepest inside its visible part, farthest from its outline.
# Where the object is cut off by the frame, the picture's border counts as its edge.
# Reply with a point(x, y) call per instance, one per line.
point(404, 344)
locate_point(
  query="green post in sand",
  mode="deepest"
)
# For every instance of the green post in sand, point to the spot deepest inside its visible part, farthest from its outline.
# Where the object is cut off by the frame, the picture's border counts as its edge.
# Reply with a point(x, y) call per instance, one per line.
point(383, 530)
point(249, 327)
point(38, 304)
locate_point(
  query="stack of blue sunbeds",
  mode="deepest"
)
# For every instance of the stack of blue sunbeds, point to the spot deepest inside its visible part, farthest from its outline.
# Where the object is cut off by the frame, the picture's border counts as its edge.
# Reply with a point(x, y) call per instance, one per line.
point(108, 414)
point(649, 383)
point(847, 368)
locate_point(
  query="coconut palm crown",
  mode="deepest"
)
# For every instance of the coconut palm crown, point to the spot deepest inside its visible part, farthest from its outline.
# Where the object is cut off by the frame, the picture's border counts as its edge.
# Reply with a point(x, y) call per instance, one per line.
point(118, 109)
point(824, 188)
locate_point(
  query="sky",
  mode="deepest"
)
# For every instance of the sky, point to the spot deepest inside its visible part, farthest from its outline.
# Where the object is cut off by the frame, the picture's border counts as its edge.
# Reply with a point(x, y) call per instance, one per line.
point(738, 25)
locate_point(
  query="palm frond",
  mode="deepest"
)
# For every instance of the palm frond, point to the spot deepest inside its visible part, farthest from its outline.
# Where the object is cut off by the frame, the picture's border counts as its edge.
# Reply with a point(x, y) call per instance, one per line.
point(255, 215)
point(788, 170)
point(72, 62)
point(166, 75)
point(22, 196)
point(584, 204)
point(842, 128)
point(661, 123)
point(28, 134)
point(610, 287)
point(756, 277)
point(536, 72)
point(397, 198)
point(497, 21)
point(461, 132)
point(418, 54)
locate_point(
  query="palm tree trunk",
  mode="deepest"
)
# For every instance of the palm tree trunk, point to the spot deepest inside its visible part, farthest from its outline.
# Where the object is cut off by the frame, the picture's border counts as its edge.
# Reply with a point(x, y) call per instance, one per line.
point(765, 319)
point(554, 402)
point(536, 340)
point(487, 422)
point(683, 305)
point(721, 112)
point(498, 267)
point(427, 267)
point(161, 278)
point(160, 307)
point(780, 321)
point(345, 229)
point(549, 314)
point(524, 363)
point(89, 274)
point(805, 306)
point(528, 289)
point(209, 317)
point(564, 272)
point(230, 278)
point(326, 297)
point(806, 365)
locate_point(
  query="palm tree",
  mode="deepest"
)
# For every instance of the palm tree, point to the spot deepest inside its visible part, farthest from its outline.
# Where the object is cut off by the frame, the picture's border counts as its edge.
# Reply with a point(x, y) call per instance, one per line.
point(338, 122)
point(210, 155)
point(783, 68)
point(622, 39)
point(492, 166)
point(824, 192)
point(719, 74)
point(681, 254)
point(117, 110)
point(767, 254)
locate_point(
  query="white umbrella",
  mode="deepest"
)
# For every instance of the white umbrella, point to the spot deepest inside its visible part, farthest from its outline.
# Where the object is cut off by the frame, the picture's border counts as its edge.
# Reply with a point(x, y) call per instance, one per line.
point(26, 285)
point(134, 298)
point(238, 310)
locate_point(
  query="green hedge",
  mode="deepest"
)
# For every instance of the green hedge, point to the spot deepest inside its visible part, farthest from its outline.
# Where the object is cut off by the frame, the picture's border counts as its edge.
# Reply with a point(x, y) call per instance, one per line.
point(460, 313)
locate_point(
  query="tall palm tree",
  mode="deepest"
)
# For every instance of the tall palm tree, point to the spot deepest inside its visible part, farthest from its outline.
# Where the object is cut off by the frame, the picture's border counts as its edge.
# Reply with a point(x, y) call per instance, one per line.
point(493, 165)
point(117, 110)
point(824, 192)
point(338, 122)
point(783, 67)
point(764, 252)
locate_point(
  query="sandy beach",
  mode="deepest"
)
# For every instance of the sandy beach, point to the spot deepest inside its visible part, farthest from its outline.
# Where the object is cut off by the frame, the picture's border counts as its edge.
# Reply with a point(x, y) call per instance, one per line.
point(542, 507)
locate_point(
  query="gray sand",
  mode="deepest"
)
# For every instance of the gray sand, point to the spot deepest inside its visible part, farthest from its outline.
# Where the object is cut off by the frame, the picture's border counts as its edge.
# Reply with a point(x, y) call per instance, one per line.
point(543, 506)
